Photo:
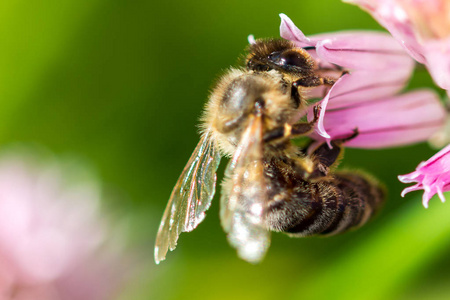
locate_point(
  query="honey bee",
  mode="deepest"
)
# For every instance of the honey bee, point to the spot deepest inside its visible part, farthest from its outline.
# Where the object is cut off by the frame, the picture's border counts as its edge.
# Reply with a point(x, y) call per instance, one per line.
point(270, 183)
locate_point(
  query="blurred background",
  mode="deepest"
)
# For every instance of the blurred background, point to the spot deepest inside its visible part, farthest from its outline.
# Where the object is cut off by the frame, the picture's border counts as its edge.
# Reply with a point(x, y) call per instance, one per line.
point(121, 85)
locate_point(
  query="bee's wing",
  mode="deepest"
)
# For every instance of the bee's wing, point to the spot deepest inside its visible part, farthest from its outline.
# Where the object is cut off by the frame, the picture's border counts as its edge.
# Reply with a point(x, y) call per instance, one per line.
point(190, 197)
point(244, 196)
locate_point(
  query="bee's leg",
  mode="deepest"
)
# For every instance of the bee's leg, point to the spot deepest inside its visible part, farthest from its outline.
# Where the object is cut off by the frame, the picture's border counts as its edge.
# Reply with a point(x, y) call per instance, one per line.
point(334, 68)
point(295, 95)
point(325, 157)
point(312, 81)
point(289, 131)
point(318, 163)
point(349, 138)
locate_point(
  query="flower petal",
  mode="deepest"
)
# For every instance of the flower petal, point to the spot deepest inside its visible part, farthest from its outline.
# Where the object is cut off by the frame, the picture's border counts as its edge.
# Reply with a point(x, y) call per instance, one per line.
point(394, 18)
point(361, 86)
point(290, 32)
point(323, 107)
point(422, 28)
point(364, 50)
point(440, 194)
point(437, 164)
point(388, 122)
point(437, 54)
point(415, 187)
point(433, 176)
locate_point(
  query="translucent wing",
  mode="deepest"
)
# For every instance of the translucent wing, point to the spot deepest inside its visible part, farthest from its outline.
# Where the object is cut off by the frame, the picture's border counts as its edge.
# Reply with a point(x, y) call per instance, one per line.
point(190, 197)
point(244, 196)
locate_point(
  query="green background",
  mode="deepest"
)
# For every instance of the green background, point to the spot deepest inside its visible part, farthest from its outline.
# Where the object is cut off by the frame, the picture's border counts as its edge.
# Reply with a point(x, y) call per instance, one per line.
point(121, 84)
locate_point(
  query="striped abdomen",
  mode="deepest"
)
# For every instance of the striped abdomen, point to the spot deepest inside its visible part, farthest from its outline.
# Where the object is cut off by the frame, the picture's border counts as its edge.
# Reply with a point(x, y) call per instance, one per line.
point(328, 206)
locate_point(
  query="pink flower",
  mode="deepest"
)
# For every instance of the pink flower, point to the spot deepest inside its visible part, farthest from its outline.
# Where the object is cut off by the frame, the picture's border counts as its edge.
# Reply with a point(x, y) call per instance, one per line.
point(52, 236)
point(432, 176)
point(368, 97)
point(423, 29)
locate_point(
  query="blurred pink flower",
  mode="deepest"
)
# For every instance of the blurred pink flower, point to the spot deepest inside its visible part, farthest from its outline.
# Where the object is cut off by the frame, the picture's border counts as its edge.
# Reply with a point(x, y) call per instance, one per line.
point(52, 236)
point(368, 97)
point(423, 29)
point(432, 176)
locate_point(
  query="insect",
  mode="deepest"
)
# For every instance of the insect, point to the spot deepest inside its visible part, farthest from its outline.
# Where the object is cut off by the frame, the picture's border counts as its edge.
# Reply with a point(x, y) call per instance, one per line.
point(270, 184)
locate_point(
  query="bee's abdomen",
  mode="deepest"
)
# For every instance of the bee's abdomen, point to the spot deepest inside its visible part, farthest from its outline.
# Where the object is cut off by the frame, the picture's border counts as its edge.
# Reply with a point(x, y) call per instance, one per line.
point(360, 198)
point(347, 201)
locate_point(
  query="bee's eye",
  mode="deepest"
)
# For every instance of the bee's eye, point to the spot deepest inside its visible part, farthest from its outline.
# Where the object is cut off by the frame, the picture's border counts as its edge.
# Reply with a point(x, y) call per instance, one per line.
point(292, 58)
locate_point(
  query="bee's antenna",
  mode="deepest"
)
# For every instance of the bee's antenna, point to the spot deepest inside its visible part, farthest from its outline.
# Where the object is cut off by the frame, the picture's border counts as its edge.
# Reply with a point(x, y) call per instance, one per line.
point(309, 48)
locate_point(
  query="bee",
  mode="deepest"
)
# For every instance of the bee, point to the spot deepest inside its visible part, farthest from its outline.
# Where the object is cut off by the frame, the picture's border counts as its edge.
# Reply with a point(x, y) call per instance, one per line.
point(270, 184)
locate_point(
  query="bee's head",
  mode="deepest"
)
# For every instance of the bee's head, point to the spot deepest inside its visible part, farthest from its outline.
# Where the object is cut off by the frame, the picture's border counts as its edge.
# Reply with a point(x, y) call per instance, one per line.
point(280, 55)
